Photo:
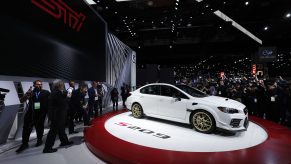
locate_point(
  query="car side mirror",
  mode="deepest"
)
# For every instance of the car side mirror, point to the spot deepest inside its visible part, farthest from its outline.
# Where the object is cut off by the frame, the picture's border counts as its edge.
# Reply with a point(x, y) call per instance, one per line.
point(177, 98)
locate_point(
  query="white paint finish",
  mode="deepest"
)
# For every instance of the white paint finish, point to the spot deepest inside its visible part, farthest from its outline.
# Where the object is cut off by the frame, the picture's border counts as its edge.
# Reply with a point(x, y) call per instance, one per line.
point(167, 108)
point(183, 138)
point(11, 97)
point(170, 107)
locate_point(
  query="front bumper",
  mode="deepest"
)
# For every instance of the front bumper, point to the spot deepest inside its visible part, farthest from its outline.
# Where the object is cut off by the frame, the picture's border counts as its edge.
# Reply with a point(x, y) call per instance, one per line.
point(233, 122)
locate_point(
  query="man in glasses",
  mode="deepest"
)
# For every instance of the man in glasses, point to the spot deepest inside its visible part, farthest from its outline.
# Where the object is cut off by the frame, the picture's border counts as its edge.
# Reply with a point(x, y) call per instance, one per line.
point(35, 115)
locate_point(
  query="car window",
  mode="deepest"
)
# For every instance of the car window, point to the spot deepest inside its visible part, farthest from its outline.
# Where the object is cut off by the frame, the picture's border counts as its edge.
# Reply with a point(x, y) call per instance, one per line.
point(171, 92)
point(192, 91)
point(152, 90)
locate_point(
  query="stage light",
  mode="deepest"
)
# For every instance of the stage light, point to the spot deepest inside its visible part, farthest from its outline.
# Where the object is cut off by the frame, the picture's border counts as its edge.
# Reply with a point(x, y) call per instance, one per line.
point(91, 2)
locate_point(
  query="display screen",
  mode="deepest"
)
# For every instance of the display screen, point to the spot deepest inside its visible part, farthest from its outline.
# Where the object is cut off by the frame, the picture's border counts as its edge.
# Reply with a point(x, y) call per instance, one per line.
point(267, 54)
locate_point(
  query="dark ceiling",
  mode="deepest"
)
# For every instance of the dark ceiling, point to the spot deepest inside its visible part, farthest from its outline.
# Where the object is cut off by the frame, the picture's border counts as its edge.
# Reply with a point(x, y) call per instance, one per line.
point(176, 30)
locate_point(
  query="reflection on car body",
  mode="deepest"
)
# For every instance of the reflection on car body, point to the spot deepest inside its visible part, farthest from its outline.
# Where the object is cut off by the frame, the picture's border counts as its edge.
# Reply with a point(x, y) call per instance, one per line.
point(185, 104)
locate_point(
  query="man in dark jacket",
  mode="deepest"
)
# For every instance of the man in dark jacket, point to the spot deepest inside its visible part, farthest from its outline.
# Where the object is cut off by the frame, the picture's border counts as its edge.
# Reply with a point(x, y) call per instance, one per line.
point(57, 114)
point(77, 102)
point(93, 99)
point(35, 115)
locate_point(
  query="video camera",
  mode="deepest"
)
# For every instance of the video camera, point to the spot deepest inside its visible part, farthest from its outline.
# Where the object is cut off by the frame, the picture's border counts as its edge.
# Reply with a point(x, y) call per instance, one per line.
point(2, 97)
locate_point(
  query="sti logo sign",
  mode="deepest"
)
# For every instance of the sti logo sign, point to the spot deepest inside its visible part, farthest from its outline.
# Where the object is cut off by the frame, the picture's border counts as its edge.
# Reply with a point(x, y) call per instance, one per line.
point(61, 11)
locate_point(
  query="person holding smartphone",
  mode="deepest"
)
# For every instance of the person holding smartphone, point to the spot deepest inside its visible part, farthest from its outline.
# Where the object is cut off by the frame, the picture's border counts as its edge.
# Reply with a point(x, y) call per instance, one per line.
point(35, 115)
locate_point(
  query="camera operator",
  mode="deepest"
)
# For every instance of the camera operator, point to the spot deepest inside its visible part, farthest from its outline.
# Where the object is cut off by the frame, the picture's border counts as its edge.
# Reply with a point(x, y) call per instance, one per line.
point(35, 115)
point(2, 97)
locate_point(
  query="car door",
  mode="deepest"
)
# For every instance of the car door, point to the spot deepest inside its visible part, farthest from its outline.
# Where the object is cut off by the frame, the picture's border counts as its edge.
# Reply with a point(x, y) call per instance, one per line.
point(172, 103)
point(149, 98)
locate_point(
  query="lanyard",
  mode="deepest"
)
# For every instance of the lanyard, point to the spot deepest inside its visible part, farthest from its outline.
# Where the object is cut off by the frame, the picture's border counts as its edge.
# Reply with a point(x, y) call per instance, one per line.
point(37, 95)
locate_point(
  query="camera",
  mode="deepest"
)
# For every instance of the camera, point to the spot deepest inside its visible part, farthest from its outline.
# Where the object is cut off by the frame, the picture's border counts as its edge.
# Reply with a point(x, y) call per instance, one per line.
point(2, 97)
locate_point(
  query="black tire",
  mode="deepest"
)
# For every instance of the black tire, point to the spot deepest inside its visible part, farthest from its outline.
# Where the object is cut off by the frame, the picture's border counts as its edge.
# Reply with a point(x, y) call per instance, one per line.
point(136, 110)
point(202, 121)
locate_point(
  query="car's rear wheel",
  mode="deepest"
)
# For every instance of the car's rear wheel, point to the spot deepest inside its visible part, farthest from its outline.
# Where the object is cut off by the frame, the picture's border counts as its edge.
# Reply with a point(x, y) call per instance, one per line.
point(203, 121)
point(136, 110)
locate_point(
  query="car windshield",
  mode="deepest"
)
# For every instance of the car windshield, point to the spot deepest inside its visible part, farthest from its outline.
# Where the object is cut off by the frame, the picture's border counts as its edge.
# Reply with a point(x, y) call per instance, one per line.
point(192, 91)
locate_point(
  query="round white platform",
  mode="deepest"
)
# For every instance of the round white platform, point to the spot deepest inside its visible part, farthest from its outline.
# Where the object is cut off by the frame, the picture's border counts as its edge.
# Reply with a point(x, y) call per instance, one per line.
point(178, 137)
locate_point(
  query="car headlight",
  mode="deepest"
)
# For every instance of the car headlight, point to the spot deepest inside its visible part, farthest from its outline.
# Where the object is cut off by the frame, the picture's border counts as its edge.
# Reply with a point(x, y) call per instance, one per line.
point(228, 110)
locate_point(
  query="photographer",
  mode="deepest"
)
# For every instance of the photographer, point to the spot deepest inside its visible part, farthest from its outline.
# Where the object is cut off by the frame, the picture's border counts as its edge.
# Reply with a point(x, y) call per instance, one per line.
point(35, 115)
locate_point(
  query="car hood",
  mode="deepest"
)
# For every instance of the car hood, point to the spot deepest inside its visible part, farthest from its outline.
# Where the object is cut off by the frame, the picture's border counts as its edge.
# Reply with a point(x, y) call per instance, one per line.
point(222, 102)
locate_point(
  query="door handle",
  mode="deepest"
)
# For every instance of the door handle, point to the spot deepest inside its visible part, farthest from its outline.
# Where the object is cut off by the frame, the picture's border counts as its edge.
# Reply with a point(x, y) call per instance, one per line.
point(194, 103)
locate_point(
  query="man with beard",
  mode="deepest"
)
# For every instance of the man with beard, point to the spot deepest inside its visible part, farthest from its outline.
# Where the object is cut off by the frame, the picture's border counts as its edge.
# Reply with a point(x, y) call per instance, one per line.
point(35, 115)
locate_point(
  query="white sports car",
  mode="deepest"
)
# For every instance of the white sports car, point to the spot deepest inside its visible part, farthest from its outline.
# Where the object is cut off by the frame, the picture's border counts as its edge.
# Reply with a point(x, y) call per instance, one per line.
point(185, 104)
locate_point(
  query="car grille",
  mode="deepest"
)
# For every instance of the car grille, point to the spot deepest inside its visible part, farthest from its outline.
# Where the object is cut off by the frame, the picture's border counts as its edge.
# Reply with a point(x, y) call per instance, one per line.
point(245, 110)
point(235, 123)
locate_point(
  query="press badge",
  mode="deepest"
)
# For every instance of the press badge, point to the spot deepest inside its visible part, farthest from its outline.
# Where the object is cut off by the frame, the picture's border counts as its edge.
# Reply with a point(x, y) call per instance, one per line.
point(219, 92)
point(96, 98)
point(273, 99)
point(255, 100)
point(37, 105)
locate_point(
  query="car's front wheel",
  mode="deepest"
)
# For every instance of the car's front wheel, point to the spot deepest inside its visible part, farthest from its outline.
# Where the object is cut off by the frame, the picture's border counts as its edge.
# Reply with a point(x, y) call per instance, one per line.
point(136, 110)
point(203, 121)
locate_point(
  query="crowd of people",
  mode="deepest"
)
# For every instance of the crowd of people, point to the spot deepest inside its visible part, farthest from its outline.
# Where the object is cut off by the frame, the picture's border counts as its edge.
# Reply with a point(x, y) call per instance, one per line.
point(64, 107)
point(266, 98)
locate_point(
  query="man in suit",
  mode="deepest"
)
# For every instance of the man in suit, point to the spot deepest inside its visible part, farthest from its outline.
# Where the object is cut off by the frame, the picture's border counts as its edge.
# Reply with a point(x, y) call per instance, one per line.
point(93, 103)
point(100, 95)
point(57, 114)
point(35, 115)
point(77, 102)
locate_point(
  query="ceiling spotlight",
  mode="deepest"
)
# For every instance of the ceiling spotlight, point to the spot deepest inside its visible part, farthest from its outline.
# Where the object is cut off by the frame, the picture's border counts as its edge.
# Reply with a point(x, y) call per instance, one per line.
point(288, 15)
point(177, 3)
point(189, 25)
point(246, 3)
point(91, 2)
point(115, 12)
point(266, 28)
point(177, 0)
point(220, 27)
point(150, 3)
point(224, 2)
point(106, 7)
point(170, 46)
point(176, 8)
point(207, 6)
point(139, 47)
